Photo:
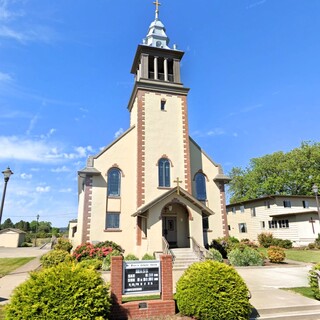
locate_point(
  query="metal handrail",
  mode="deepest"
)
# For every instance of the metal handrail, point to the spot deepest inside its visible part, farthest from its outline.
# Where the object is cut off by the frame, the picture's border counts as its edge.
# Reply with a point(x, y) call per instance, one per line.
point(166, 249)
point(201, 252)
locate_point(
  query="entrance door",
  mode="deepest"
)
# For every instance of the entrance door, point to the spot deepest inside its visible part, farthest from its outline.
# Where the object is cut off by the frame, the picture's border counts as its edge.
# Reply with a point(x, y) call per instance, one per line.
point(169, 230)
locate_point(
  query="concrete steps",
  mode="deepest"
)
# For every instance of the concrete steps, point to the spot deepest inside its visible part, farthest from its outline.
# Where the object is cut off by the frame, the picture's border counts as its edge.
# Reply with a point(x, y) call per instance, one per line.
point(288, 313)
point(183, 258)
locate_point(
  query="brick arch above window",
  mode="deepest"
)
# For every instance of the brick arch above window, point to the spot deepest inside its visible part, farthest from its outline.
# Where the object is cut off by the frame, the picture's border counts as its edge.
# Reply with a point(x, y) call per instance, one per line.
point(115, 166)
point(164, 156)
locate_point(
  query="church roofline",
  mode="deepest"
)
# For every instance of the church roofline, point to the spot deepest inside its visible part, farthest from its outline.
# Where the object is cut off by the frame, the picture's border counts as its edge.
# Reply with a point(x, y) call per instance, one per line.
point(183, 193)
point(156, 86)
point(112, 143)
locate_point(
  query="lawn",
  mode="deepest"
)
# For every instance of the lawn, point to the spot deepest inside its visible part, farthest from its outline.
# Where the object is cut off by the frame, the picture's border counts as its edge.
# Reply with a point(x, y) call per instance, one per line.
point(7, 265)
point(312, 256)
point(305, 291)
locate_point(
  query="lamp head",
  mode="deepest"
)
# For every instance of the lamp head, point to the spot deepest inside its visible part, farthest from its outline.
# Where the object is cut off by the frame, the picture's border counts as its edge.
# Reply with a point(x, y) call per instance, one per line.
point(7, 173)
point(315, 189)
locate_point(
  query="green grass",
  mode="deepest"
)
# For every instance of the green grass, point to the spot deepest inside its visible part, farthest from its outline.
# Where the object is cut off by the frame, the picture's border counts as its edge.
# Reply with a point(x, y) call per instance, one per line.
point(140, 298)
point(311, 256)
point(304, 291)
point(7, 265)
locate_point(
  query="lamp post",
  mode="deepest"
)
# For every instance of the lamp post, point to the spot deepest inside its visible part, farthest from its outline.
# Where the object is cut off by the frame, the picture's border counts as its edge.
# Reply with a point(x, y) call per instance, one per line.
point(315, 190)
point(6, 173)
point(35, 242)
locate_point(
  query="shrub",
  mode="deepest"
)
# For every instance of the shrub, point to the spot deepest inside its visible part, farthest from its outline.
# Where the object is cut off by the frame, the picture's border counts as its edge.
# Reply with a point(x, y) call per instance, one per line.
point(55, 257)
point(213, 290)
point(282, 243)
point(95, 264)
point(109, 244)
point(89, 251)
point(25, 244)
point(63, 244)
point(148, 256)
point(276, 254)
point(218, 246)
point(215, 255)
point(130, 256)
point(313, 281)
point(106, 263)
point(265, 239)
point(63, 292)
point(245, 256)
point(248, 243)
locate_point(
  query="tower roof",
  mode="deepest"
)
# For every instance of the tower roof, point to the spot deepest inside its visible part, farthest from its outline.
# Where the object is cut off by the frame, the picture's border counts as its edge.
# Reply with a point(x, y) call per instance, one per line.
point(157, 36)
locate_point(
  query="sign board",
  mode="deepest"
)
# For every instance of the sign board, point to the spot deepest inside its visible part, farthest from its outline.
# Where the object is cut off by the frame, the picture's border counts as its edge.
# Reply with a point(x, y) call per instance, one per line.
point(141, 277)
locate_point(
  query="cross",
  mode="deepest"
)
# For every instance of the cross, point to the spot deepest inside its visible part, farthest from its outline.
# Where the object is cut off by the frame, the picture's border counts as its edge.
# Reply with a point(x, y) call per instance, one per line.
point(312, 221)
point(178, 184)
point(157, 3)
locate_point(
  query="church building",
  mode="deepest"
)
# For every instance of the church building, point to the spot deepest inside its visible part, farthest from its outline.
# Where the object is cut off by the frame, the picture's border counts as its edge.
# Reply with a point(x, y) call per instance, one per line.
point(153, 187)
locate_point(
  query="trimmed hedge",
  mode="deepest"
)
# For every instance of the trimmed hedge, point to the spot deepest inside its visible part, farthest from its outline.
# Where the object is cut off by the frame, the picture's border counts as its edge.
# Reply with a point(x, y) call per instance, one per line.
point(213, 290)
point(313, 281)
point(55, 257)
point(66, 291)
point(215, 255)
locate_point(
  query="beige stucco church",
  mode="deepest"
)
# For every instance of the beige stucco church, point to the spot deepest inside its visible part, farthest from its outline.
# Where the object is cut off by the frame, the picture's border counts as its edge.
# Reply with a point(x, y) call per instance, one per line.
point(154, 185)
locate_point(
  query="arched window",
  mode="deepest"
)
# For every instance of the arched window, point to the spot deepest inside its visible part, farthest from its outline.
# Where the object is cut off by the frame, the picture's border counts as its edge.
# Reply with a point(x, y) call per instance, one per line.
point(114, 179)
point(164, 172)
point(201, 192)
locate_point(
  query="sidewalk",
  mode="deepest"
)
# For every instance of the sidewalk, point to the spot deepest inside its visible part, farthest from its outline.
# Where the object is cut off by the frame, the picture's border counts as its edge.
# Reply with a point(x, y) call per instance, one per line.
point(18, 276)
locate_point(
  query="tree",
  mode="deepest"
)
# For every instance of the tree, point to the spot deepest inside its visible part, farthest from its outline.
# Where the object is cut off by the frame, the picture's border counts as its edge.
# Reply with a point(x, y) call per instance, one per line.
point(291, 173)
point(23, 225)
point(7, 224)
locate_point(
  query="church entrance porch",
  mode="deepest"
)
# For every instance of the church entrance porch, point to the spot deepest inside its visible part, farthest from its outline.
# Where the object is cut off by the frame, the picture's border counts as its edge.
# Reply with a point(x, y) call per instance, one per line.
point(175, 225)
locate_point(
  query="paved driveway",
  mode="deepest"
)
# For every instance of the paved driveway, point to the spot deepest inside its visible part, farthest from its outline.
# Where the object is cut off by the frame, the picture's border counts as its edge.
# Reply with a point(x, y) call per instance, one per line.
point(22, 252)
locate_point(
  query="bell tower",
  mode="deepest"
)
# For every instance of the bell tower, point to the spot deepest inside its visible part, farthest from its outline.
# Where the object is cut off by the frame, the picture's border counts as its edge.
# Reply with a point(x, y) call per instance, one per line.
point(158, 109)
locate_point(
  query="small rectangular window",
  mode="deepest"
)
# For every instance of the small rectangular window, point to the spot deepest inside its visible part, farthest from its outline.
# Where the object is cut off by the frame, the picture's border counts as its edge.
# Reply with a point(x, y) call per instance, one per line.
point(253, 212)
point(267, 204)
point(113, 220)
point(163, 105)
point(287, 204)
point(263, 225)
point(233, 209)
point(229, 228)
point(242, 208)
point(273, 224)
point(283, 223)
point(305, 204)
point(242, 227)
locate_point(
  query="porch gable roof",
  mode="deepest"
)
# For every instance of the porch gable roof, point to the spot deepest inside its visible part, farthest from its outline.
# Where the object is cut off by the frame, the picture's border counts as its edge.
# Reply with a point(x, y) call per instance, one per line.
point(181, 192)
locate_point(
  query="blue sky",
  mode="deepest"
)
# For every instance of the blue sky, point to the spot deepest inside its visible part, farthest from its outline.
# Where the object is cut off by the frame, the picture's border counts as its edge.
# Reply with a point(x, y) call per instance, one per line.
point(252, 66)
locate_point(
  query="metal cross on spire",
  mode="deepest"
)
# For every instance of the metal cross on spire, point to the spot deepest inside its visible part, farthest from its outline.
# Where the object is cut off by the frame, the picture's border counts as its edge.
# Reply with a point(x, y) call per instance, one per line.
point(157, 3)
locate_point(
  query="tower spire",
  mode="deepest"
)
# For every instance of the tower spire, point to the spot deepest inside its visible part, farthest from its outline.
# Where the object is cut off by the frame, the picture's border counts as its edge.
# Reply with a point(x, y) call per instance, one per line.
point(157, 4)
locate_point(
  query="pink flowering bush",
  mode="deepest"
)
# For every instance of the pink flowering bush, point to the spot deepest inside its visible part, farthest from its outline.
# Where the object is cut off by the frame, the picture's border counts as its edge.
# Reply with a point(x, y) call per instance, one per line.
point(90, 251)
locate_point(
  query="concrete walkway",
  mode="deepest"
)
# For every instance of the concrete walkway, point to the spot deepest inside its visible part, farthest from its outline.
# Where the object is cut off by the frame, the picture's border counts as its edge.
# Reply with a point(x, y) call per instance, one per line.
point(18, 276)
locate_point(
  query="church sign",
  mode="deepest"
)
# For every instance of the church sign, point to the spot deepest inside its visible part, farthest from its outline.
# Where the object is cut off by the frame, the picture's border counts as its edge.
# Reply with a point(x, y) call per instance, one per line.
point(141, 277)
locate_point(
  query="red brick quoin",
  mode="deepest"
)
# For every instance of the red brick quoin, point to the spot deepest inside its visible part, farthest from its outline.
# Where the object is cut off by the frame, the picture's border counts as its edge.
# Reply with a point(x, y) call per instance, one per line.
point(130, 310)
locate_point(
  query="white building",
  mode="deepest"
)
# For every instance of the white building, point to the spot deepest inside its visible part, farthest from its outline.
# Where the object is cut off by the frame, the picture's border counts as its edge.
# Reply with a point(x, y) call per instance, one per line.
point(287, 217)
point(154, 182)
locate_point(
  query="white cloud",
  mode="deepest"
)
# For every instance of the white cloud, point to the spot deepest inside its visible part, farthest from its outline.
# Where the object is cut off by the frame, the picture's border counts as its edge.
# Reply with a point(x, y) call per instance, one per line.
point(43, 189)
point(27, 149)
point(216, 132)
point(25, 176)
point(246, 110)
point(49, 134)
point(256, 3)
point(60, 169)
point(5, 77)
point(118, 133)
point(5, 13)
point(67, 190)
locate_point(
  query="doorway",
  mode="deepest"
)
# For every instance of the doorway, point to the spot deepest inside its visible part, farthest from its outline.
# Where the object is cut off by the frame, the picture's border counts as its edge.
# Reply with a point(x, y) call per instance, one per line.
point(169, 230)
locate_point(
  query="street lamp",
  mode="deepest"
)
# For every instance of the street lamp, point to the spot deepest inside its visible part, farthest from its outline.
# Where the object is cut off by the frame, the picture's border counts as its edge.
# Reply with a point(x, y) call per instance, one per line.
point(6, 173)
point(35, 242)
point(315, 190)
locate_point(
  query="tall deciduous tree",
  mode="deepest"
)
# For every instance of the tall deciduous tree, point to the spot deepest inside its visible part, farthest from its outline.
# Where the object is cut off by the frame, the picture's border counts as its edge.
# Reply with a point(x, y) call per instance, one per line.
point(291, 173)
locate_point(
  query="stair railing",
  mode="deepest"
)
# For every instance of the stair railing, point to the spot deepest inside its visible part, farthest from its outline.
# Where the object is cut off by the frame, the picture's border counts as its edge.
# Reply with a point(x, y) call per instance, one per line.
point(201, 252)
point(166, 248)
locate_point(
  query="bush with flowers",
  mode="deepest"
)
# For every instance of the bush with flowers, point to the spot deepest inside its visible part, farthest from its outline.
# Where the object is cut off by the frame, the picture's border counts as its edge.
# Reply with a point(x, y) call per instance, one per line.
point(90, 251)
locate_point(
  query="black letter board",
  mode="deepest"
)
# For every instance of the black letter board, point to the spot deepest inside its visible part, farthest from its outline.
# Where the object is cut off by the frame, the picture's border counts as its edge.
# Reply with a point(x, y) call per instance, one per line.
point(141, 277)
